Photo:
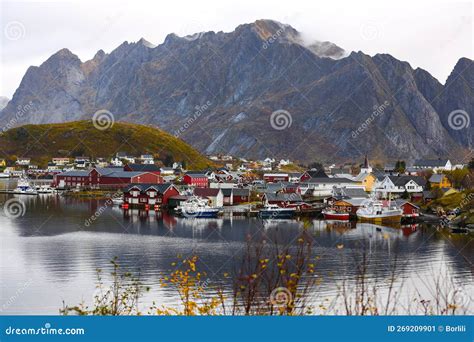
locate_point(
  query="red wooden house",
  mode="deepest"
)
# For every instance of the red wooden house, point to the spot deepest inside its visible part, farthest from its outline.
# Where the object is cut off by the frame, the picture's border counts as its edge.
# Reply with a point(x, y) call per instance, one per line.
point(151, 195)
point(196, 179)
point(409, 209)
point(104, 178)
point(276, 177)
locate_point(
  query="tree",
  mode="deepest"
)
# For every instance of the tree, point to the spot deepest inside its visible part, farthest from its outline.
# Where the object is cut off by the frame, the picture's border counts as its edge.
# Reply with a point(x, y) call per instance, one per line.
point(405, 195)
point(400, 166)
point(470, 165)
point(168, 161)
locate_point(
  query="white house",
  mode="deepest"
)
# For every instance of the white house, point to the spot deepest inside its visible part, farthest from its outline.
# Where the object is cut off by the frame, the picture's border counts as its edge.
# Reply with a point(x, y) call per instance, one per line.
point(400, 184)
point(435, 164)
point(116, 161)
point(23, 161)
point(147, 159)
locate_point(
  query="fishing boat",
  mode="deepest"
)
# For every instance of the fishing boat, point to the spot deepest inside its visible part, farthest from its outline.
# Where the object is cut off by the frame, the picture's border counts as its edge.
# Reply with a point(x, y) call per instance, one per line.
point(23, 187)
point(374, 211)
point(273, 211)
point(332, 214)
point(196, 207)
point(45, 189)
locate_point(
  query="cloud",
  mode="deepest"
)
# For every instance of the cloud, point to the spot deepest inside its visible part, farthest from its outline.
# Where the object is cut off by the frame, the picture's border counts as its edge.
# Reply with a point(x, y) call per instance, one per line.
point(426, 34)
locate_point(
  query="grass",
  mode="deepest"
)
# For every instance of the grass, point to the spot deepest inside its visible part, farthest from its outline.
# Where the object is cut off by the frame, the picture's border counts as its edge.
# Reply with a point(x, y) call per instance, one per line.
point(81, 138)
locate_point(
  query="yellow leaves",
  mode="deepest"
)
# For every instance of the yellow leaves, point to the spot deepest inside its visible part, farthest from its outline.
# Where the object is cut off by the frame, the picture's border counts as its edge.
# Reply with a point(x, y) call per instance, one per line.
point(173, 264)
point(226, 274)
point(254, 276)
point(340, 246)
point(288, 257)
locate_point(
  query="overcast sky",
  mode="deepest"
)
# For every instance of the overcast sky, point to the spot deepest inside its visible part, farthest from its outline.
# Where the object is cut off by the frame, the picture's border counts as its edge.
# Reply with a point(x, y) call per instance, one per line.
point(432, 35)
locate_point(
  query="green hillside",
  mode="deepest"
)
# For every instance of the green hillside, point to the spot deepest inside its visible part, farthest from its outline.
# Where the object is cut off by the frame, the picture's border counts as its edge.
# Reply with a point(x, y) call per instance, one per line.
point(81, 138)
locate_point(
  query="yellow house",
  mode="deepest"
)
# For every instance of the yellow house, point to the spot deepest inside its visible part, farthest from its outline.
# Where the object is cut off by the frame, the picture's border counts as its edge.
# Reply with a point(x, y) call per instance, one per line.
point(366, 179)
point(439, 180)
point(3, 163)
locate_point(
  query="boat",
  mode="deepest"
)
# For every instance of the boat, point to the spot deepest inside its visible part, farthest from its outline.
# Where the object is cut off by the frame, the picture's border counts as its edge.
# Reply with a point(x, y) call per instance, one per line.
point(332, 214)
point(273, 211)
point(196, 207)
point(4, 175)
point(374, 211)
point(23, 187)
point(45, 189)
point(117, 201)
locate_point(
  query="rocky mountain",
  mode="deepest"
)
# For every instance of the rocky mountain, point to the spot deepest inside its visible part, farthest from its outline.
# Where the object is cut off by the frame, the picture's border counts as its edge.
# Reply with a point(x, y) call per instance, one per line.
point(259, 91)
point(3, 102)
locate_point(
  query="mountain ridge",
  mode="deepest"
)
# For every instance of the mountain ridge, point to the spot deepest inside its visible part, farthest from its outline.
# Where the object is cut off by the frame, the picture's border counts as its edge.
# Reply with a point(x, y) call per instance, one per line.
point(248, 74)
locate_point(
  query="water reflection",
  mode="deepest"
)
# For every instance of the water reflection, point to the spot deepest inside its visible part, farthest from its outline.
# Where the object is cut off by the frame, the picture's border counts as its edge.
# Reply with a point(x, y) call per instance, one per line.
point(52, 249)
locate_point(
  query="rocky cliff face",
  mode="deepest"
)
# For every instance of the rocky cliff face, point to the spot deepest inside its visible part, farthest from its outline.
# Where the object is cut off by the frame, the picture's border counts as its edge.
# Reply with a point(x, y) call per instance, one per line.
point(258, 91)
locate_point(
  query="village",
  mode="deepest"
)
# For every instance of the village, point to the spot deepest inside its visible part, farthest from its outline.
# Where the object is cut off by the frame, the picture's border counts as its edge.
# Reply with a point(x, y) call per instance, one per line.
point(266, 188)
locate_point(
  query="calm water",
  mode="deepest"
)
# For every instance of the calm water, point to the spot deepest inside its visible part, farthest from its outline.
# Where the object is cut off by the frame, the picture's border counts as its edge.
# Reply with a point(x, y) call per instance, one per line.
point(49, 255)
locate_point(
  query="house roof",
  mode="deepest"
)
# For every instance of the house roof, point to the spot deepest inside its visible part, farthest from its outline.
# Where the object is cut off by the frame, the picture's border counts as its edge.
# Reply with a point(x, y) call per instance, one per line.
point(313, 173)
point(283, 197)
point(401, 202)
point(161, 188)
point(431, 162)
point(350, 192)
point(143, 167)
point(206, 192)
point(227, 191)
point(196, 174)
point(361, 176)
point(402, 180)
point(241, 192)
point(75, 173)
point(327, 180)
point(436, 178)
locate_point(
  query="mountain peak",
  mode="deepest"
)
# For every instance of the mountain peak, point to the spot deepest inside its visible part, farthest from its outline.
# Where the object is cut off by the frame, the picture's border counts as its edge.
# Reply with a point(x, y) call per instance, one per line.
point(146, 43)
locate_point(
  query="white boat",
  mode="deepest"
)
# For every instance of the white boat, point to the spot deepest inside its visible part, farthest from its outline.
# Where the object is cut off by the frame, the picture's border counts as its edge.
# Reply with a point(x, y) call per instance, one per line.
point(117, 201)
point(23, 187)
point(273, 211)
point(45, 189)
point(374, 211)
point(196, 207)
point(4, 175)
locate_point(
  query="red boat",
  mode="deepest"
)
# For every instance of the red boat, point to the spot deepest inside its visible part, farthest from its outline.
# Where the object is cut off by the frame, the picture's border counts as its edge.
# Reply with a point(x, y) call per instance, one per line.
point(330, 214)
